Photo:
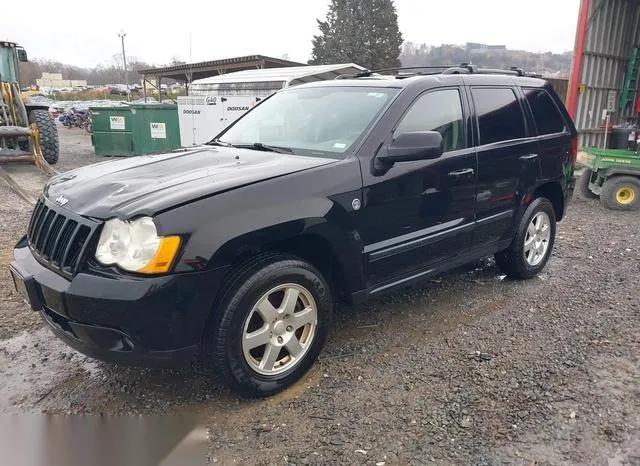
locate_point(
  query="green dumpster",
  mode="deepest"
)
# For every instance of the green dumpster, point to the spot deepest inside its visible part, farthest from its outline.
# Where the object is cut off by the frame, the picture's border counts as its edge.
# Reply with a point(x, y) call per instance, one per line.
point(135, 129)
point(111, 130)
point(155, 128)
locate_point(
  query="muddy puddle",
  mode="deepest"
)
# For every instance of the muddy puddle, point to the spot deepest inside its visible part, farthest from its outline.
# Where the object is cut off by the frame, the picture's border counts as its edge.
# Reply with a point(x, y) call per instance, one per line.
point(33, 362)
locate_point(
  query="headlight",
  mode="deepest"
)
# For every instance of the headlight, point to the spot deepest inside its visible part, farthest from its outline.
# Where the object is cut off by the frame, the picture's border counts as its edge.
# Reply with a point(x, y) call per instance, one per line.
point(136, 247)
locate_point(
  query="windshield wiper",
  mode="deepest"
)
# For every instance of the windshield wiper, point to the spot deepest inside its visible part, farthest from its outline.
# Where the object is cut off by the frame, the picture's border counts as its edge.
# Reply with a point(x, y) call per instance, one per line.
point(218, 142)
point(264, 147)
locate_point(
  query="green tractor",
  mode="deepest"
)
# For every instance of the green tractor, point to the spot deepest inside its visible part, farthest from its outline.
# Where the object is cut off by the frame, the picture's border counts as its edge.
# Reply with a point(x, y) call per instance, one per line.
point(28, 133)
point(613, 175)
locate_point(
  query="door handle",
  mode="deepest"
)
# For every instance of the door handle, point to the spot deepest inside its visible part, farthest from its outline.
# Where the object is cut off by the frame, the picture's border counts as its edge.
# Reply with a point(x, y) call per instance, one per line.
point(528, 157)
point(462, 172)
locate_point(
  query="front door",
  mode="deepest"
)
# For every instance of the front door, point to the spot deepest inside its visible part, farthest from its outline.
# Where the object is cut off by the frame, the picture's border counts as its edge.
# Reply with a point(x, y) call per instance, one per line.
point(419, 213)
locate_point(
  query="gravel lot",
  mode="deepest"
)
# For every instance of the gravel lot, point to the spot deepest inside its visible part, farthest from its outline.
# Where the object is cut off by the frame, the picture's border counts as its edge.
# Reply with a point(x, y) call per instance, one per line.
point(470, 368)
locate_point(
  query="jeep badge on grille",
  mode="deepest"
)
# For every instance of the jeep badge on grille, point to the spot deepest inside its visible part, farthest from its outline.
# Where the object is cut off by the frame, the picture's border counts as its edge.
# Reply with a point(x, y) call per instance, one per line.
point(62, 200)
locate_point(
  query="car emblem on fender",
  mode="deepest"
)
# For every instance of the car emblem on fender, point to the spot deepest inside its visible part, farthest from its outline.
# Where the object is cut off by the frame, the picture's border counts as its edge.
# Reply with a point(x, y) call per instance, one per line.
point(62, 200)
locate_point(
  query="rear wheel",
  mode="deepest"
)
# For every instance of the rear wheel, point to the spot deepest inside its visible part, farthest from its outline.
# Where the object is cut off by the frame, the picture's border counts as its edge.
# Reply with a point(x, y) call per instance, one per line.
point(583, 185)
point(531, 247)
point(48, 134)
point(271, 325)
point(621, 193)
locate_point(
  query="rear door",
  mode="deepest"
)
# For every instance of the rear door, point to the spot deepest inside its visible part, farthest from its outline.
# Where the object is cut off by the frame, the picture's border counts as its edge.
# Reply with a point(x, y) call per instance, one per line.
point(508, 162)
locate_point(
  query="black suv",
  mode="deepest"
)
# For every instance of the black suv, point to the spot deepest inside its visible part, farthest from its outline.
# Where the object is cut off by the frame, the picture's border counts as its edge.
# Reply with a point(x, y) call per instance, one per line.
point(337, 190)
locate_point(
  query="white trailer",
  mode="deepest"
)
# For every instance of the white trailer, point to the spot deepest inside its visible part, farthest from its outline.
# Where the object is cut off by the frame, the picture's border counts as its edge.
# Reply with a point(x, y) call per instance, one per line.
point(216, 102)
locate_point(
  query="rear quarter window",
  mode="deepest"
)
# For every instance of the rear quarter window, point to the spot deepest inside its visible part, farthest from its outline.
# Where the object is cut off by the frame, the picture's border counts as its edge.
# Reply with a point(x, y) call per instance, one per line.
point(545, 112)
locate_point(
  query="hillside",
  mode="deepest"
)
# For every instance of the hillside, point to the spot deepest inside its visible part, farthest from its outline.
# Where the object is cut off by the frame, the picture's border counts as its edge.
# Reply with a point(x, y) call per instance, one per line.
point(548, 64)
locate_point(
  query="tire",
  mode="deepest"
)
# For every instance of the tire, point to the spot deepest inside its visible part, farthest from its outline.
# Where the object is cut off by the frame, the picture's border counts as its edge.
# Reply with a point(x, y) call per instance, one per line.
point(515, 261)
point(582, 186)
point(241, 366)
point(48, 134)
point(621, 193)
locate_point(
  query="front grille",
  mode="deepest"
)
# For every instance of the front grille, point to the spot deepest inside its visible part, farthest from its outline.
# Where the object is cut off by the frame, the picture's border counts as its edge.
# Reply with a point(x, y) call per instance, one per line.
point(58, 238)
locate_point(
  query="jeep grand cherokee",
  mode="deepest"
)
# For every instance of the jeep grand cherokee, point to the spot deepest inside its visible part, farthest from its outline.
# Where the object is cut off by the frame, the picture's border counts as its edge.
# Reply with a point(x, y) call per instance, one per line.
point(338, 190)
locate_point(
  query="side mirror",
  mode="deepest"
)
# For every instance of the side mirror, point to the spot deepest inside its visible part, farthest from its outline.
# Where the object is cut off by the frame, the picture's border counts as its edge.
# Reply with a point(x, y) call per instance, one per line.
point(22, 54)
point(417, 145)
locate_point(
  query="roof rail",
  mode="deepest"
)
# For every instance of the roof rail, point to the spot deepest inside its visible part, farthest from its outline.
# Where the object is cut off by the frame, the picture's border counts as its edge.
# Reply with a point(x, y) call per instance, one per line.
point(367, 73)
point(463, 68)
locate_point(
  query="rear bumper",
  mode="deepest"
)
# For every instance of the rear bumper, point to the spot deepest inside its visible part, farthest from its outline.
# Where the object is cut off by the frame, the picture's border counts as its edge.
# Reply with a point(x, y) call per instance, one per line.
point(129, 320)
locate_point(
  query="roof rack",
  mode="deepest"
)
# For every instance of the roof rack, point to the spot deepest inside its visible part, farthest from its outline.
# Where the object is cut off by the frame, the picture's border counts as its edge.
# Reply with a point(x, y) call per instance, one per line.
point(368, 73)
point(463, 68)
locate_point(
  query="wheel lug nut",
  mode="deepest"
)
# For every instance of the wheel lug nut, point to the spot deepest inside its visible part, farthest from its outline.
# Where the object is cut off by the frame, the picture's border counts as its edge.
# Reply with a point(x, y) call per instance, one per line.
point(289, 328)
point(279, 339)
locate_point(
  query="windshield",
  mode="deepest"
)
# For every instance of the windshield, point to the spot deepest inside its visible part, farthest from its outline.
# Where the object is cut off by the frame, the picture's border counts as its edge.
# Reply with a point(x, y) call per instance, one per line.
point(311, 121)
point(8, 72)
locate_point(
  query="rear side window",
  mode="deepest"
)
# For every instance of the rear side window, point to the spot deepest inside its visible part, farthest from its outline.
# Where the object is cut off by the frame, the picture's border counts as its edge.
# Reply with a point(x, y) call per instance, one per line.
point(499, 114)
point(545, 112)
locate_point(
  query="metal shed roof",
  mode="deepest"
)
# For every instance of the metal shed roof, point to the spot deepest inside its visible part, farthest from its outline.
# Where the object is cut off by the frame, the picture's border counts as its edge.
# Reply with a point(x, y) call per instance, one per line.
point(193, 71)
point(287, 76)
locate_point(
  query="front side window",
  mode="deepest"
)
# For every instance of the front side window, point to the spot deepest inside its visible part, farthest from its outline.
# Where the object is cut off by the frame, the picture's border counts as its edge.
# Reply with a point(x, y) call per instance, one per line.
point(311, 121)
point(499, 115)
point(545, 112)
point(440, 111)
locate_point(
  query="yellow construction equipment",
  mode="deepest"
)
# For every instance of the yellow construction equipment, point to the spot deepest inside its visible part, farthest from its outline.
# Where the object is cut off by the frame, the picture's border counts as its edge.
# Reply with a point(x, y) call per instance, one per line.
point(27, 130)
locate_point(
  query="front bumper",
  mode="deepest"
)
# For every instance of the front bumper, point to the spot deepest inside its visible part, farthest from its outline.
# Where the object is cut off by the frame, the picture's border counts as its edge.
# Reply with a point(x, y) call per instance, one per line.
point(128, 320)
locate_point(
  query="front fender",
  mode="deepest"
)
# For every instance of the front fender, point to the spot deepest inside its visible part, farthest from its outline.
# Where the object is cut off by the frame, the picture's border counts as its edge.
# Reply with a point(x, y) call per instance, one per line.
point(316, 203)
point(344, 244)
point(619, 170)
point(250, 232)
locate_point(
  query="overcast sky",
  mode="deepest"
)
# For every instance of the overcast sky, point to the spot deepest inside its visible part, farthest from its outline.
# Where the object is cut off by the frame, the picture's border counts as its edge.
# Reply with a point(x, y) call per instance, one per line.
point(76, 33)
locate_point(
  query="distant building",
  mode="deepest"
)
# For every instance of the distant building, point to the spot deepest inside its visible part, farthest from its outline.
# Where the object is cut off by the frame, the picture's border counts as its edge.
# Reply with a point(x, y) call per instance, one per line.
point(55, 81)
point(476, 47)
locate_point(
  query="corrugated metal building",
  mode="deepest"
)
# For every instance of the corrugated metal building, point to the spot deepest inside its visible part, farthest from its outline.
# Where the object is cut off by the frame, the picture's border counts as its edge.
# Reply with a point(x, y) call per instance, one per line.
point(607, 34)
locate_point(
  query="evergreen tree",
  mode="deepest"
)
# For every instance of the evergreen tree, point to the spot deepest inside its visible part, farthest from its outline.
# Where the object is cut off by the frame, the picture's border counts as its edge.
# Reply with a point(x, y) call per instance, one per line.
point(364, 32)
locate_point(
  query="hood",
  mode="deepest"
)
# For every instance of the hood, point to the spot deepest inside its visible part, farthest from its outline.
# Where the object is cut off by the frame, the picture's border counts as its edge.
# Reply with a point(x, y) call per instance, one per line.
point(151, 183)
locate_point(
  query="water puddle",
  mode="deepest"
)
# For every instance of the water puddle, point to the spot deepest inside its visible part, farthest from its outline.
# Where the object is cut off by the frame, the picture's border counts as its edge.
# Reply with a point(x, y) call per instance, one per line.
point(31, 363)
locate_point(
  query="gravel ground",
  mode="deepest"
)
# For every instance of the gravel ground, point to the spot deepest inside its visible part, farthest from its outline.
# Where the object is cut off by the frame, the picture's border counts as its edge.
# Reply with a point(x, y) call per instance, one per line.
point(470, 368)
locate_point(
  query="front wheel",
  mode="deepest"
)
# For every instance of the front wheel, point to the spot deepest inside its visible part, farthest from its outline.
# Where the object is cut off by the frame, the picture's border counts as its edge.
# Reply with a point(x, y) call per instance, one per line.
point(271, 325)
point(531, 247)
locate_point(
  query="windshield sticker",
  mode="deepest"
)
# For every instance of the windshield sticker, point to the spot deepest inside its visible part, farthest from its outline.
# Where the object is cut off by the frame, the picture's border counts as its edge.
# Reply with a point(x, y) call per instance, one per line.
point(339, 145)
point(377, 95)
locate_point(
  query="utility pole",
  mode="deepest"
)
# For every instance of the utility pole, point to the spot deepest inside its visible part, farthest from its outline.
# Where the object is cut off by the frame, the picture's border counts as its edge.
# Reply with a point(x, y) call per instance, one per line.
point(122, 34)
